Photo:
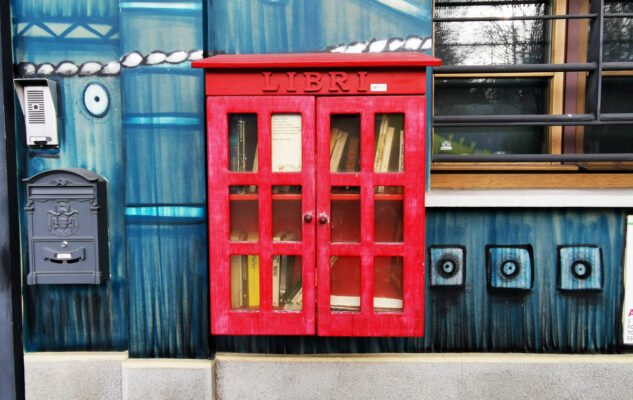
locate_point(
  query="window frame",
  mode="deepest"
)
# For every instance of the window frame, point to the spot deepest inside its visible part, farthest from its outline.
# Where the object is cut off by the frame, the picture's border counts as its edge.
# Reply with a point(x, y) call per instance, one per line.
point(564, 121)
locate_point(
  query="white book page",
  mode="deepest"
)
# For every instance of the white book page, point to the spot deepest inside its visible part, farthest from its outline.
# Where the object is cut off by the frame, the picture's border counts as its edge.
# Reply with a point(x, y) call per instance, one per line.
point(286, 142)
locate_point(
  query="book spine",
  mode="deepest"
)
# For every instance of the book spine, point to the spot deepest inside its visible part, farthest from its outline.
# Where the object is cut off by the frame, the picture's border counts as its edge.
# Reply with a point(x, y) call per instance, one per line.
point(244, 281)
point(241, 144)
point(386, 155)
point(401, 153)
point(253, 281)
point(236, 282)
point(335, 160)
point(283, 276)
point(276, 265)
point(353, 151)
point(380, 143)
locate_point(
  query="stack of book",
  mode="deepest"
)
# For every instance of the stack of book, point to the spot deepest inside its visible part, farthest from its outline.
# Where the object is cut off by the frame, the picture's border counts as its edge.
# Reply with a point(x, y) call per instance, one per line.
point(344, 151)
point(389, 148)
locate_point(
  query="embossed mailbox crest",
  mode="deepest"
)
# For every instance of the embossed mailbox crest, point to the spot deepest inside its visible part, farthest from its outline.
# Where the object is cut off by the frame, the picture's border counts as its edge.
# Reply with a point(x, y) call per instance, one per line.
point(67, 227)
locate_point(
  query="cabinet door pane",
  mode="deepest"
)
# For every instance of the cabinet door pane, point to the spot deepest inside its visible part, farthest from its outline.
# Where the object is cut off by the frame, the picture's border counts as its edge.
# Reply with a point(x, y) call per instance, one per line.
point(345, 283)
point(243, 142)
point(389, 143)
point(287, 222)
point(244, 209)
point(388, 284)
point(345, 143)
point(285, 135)
point(245, 282)
point(388, 213)
point(287, 283)
point(345, 214)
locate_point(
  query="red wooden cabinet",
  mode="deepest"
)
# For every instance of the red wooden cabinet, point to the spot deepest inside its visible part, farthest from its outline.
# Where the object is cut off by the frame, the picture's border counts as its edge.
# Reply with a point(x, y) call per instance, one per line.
point(316, 193)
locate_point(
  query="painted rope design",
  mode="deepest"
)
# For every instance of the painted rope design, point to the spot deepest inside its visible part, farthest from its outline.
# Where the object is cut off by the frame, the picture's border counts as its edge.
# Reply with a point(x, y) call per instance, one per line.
point(136, 59)
point(411, 43)
point(112, 68)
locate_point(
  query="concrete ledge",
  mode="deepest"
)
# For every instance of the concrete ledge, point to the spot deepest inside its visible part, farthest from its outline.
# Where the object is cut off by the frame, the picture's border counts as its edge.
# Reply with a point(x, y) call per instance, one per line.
point(548, 198)
point(66, 376)
point(167, 379)
point(389, 376)
point(450, 376)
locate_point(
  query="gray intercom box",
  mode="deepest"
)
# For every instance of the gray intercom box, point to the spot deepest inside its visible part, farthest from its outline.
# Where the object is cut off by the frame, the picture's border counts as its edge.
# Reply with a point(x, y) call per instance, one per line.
point(67, 215)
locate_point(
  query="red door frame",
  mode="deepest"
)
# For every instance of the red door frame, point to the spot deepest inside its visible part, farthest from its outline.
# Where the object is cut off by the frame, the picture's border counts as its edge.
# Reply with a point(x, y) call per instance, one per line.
point(225, 321)
point(409, 322)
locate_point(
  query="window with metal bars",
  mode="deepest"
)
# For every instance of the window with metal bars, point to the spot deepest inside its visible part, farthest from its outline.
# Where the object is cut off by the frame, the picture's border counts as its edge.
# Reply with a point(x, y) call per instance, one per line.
point(533, 84)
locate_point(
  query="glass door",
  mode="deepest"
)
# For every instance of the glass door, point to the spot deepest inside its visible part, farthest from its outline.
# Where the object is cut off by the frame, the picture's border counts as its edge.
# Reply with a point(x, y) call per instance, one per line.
point(261, 215)
point(370, 215)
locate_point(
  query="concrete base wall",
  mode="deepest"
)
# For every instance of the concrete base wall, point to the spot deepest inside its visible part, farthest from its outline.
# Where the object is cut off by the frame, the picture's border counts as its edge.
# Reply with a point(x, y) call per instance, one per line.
point(385, 376)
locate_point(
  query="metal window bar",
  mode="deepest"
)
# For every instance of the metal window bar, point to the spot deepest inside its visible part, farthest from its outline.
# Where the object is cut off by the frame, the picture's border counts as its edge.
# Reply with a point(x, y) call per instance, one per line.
point(593, 115)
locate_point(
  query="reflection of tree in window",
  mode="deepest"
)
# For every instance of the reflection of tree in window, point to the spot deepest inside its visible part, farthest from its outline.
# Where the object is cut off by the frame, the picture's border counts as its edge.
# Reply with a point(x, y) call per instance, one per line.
point(618, 41)
point(490, 42)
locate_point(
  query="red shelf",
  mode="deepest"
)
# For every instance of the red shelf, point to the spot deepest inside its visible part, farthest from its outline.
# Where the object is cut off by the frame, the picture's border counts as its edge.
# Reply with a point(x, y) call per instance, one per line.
point(251, 197)
point(383, 197)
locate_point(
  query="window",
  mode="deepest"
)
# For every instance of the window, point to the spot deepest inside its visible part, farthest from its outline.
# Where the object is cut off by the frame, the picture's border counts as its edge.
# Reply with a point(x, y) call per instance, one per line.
point(532, 93)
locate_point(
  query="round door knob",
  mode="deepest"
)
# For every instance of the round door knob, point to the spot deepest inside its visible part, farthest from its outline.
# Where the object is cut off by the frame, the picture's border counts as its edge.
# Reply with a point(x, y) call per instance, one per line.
point(307, 218)
point(323, 220)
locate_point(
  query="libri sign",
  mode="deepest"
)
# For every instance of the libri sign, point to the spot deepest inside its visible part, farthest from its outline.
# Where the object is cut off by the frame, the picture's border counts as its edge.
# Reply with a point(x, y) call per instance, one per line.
point(315, 74)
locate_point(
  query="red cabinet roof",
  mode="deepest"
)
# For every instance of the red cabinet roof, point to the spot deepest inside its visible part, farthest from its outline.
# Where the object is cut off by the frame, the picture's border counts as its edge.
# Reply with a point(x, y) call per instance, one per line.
point(317, 60)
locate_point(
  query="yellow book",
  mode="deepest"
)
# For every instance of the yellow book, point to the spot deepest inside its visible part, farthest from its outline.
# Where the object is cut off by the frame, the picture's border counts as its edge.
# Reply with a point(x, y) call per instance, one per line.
point(253, 281)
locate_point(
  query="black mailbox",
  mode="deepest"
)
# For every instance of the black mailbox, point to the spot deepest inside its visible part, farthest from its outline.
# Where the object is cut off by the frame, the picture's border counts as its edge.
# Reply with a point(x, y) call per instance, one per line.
point(67, 227)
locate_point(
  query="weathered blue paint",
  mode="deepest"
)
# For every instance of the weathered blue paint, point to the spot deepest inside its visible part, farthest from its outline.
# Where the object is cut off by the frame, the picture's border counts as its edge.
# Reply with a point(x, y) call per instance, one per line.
point(475, 318)
point(76, 317)
point(163, 121)
point(244, 26)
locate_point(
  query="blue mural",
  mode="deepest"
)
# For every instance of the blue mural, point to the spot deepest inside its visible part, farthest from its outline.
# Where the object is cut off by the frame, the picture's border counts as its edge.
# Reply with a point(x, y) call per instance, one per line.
point(48, 34)
point(149, 143)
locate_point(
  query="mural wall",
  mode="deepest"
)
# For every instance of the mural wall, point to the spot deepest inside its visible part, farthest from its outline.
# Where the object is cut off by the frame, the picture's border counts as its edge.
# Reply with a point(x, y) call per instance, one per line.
point(148, 142)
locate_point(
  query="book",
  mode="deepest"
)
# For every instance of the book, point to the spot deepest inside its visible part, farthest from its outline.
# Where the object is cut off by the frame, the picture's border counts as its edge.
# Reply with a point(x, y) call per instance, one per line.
point(380, 142)
point(241, 144)
point(276, 279)
point(385, 154)
point(333, 134)
point(337, 151)
point(285, 133)
point(253, 281)
point(401, 153)
point(244, 263)
point(353, 155)
point(236, 282)
point(251, 264)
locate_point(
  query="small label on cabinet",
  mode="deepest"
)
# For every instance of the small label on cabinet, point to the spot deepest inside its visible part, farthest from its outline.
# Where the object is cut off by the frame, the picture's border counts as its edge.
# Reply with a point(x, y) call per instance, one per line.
point(378, 87)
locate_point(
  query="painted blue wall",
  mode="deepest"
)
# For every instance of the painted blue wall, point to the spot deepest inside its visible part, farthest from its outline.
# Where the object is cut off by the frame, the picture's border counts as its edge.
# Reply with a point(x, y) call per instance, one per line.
point(78, 317)
point(150, 146)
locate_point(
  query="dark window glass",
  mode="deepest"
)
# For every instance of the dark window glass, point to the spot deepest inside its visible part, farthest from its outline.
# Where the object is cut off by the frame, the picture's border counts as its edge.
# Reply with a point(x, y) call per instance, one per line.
point(616, 98)
point(488, 96)
point(618, 40)
point(491, 42)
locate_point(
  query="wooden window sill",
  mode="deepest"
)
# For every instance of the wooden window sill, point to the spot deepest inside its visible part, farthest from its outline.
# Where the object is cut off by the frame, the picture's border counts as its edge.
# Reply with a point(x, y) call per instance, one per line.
point(550, 180)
